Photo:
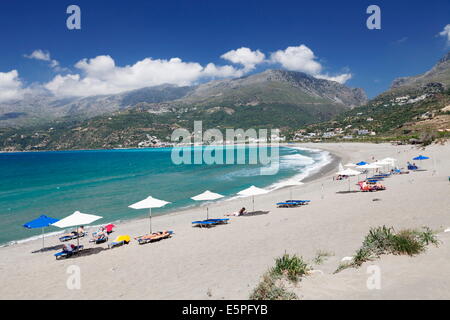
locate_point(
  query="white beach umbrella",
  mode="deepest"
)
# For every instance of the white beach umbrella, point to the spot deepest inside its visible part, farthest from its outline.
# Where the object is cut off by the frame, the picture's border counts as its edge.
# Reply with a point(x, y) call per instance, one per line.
point(149, 203)
point(252, 192)
point(292, 184)
point(390, 161)
point(207, 196)
point(76, 219)
point(370, 166)
point(349, 173)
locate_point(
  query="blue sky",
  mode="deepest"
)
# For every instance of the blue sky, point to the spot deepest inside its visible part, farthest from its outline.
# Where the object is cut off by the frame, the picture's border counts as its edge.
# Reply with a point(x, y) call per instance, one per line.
point(200, 32)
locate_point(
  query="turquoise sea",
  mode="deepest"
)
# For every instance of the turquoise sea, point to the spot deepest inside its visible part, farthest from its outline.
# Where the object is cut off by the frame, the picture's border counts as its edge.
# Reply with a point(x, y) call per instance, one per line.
point(106, 182)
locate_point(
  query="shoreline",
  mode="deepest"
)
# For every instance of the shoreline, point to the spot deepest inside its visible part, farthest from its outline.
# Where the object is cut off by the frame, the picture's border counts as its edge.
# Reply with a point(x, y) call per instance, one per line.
point(322, 172)
point(227, 262)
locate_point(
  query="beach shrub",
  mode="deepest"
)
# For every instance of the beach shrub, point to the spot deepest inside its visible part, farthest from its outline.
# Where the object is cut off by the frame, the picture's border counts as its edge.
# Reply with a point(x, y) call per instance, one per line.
point(362, 255)
point(269, 289)
point(427, 236)
point(343, 266)
point(378, 240)
point(293, 267)
point(321, 256)
point(384, 240)
point(407, 242)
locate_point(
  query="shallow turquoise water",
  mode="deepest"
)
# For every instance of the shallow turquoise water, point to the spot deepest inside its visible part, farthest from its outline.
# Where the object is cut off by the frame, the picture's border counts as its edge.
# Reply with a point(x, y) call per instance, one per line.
point(106, 182)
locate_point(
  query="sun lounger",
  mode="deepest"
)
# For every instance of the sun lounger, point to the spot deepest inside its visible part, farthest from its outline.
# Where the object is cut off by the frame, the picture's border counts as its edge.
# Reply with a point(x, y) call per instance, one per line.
point(288, 204)
point(365, 187)
point(299, 201)
point(292, 203)
point(157, 236)
point(67, 254)
point(120, 241)
point(99, 240)
point(210, 222)
point(72, 237)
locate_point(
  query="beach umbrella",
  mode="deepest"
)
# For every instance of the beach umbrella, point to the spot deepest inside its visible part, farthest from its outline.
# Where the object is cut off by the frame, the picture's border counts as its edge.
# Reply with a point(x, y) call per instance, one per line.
point(382, 163)
point(252, 192)
point(421, 158)
point(207, 196)
point(390, 161)
point(370, 166)
point(41, 222)
point(292, 184)
point(149, 203)
point(349, 173)
point(76, 219)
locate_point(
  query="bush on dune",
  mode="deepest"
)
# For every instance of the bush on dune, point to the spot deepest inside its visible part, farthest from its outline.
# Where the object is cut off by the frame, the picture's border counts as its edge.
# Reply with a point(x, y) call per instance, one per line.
point(271, 287)
point(293, 267)
point(384, 240)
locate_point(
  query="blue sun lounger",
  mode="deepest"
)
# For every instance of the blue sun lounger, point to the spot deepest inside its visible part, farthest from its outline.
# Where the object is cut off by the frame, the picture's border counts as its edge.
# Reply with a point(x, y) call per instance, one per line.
point(210, 222)
point(67, 254)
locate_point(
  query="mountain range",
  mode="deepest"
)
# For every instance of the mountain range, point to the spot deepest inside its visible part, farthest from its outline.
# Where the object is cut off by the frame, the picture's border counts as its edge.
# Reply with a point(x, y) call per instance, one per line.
point(272, 99)
point(269, 87)
point(413, 107)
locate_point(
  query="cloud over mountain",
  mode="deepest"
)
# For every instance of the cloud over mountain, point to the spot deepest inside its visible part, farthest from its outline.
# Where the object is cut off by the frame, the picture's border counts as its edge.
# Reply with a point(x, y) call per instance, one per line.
point(10, 86)
point(302, 58)
point(101, 75)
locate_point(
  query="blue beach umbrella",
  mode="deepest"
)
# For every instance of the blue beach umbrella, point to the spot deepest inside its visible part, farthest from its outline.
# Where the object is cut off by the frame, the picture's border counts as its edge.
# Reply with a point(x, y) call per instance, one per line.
point(421, 158)
point(41, 222)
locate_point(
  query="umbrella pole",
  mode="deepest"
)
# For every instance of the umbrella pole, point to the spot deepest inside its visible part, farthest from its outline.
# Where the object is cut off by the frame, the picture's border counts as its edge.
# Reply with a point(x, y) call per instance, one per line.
point(150, 216)
point(253, 201)
point(43, 245)
point(207, 213)
point(290, 194)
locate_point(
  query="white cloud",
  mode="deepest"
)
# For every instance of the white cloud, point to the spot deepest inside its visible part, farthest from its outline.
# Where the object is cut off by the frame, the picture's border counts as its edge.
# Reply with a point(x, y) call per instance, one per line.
point(302, 58)
point(101, 75)
point(10, 86)
point(341, 78)
point(446, 33)
point(43, 56)
point(245, 56)
point(299, 58)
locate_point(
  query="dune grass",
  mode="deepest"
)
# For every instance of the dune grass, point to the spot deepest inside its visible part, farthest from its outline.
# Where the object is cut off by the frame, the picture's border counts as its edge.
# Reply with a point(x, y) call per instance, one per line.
point(321, 256)
point(287, 267)
point(270, 288)
point(292, 267)
point(384, 240)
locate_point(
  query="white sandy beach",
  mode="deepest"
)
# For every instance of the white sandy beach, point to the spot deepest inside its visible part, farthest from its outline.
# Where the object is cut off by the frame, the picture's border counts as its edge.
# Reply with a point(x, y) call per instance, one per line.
point(226, 262)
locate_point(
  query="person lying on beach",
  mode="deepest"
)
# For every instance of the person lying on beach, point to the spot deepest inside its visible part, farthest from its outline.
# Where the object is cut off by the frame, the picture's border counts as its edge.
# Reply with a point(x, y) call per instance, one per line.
point(154, 236)
point(241, 212)
point(99, 235)
point(78, 231)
